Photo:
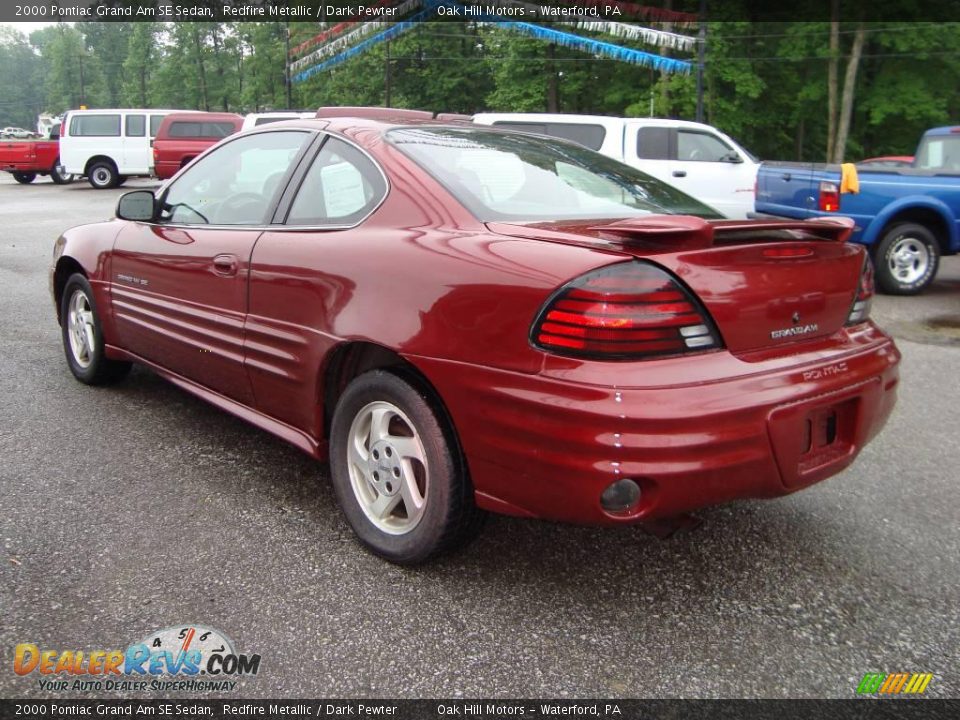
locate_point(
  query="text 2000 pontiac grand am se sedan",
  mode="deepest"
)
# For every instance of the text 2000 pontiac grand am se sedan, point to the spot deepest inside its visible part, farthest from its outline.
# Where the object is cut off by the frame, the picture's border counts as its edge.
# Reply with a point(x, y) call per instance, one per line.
point(465, 319)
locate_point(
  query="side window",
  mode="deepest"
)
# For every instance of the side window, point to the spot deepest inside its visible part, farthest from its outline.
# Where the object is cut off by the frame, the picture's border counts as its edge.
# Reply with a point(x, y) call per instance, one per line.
point(700, 147)
point(590, 136)
point(341, 187)
point(155, 121)
point(217, 130)
point(95, 126)
point(234, 185)
point(184, 130)
point(136, 126)
point(528, 127)
point(653, 143)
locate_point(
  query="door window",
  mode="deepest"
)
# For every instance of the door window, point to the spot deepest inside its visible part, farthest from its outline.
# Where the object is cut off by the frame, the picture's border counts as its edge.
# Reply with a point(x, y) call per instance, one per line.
point(136, 125)
point(236, 184)
point(155, 121)
point(701, 147)
point(341, 188)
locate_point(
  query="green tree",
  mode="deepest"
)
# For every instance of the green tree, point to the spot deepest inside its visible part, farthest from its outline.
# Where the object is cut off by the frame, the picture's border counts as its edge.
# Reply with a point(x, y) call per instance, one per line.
point(20, 76)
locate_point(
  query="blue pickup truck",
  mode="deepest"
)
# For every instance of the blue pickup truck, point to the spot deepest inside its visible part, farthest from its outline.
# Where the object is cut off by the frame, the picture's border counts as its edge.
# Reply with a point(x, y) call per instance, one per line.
point(909, 217)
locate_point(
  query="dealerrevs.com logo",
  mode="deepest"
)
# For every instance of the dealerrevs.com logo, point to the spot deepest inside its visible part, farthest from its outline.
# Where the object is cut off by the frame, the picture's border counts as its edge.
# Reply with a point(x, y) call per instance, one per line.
point(185, 658)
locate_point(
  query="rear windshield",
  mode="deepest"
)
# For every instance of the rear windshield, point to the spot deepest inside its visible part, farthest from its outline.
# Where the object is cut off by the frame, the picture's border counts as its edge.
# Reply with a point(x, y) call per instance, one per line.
point(513, 177)
point(939, 152)
point(192, 129)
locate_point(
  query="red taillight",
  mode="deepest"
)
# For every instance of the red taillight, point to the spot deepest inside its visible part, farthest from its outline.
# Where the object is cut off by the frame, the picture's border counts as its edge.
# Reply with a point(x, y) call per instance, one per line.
point(156, 156)
point(829, 197)
point(860, 310)
point(626, 311)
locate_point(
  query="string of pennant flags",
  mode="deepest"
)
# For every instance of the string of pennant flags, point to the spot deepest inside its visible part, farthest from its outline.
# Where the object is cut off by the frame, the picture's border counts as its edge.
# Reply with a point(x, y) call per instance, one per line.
point(347, 40)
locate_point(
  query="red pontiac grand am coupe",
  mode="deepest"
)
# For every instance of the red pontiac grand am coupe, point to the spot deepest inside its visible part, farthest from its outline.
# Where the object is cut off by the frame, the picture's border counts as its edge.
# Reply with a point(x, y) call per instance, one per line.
point(466, 319)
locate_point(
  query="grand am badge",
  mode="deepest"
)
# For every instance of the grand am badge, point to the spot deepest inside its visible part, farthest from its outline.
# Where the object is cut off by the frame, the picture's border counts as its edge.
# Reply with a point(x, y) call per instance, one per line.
point(793, 331)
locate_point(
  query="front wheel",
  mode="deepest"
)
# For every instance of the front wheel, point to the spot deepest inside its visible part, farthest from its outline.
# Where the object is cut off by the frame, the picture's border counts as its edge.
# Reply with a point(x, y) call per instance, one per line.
point(906, 259)
point(102, 175)
point(397, 472)
point(24, 178)
point(83, 336)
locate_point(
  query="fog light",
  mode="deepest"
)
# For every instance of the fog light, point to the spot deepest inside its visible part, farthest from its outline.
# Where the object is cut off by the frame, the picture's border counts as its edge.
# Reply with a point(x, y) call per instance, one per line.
point(620, 496)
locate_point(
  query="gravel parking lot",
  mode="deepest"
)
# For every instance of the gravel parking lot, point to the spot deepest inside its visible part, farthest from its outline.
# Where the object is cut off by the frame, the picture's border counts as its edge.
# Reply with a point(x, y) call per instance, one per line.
point(134, 508)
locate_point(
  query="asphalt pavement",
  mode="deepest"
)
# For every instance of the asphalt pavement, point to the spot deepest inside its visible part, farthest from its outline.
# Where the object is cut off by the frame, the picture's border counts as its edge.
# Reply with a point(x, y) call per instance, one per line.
point(129, 509)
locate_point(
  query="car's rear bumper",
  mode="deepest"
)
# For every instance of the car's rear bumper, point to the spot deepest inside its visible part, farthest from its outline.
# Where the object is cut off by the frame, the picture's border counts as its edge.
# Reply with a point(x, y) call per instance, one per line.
point(547, 447)
point(165, 170)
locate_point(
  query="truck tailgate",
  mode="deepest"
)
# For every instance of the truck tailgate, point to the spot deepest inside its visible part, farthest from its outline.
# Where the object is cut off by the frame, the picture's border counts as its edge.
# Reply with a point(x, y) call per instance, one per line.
point(791, 189)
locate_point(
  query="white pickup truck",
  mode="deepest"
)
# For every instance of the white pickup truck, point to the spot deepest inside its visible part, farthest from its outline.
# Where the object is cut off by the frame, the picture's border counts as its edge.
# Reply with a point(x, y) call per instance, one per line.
point(695, 158)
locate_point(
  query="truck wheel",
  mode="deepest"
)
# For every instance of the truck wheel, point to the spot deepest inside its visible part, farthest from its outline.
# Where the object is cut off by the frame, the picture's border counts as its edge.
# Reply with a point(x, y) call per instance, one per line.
point(121, 179)
point(102, 175)
point(64, 179)
point(24, 178)
point(906, 259)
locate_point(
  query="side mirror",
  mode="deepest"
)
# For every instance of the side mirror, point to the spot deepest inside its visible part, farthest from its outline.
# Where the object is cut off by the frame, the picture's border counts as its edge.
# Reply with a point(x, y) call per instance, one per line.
point(137, 205)
point(732, 157)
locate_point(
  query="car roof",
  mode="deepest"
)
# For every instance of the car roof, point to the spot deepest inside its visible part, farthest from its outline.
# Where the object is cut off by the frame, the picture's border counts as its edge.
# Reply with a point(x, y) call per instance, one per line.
point(346, 123)
point(586, 119)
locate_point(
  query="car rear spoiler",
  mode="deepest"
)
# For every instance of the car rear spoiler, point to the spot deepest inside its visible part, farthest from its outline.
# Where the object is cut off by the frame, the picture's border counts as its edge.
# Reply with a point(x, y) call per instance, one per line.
point(688, 231)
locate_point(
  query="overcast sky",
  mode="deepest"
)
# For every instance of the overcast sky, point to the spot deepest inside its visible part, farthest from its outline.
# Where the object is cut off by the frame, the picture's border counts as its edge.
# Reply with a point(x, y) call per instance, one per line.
point(27, 27)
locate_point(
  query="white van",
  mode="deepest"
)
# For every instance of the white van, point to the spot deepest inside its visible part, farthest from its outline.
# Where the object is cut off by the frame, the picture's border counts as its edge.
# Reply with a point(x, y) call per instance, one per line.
point(256, 119)
point(695, 158)
point(110, 145)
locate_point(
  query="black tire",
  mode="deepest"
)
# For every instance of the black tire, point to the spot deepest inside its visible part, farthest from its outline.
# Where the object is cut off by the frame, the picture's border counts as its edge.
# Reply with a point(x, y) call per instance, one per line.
point(449, 517)
point(102, 175)
point(121, 179)
point(24, 178)
point(59, 179)
point(89, 365)
point(906, 259)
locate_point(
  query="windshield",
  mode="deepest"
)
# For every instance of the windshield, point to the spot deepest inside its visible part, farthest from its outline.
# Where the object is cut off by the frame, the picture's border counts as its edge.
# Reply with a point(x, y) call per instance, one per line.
point(513, 177)
point(939, 152)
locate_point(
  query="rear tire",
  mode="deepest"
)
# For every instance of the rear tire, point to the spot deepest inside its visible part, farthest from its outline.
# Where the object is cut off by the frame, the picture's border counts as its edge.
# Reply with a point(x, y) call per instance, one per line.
point(83, 336)
point(59, 179)
point(906, 259)
point(102, 175)
point(24, 178)
point(397, 471)
point(121, 179)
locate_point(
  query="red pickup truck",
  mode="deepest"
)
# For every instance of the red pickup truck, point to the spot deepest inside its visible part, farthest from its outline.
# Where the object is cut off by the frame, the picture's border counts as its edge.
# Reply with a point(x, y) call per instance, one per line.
point(26, 159)
point(183, 136)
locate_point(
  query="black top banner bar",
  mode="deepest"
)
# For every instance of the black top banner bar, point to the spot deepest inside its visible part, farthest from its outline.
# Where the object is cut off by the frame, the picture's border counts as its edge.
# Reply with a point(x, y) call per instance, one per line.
point(334, 11)
point(867, 709)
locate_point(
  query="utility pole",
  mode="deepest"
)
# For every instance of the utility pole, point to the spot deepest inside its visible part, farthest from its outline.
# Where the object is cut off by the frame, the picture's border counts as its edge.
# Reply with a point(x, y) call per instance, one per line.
point(701, 52)
point(286, 66)
point(386, 78)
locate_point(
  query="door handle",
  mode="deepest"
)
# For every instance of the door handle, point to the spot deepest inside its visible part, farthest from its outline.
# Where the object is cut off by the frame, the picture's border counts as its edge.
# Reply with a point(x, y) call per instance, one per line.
point(787, 176)
point(225, 265)
point(679, 173)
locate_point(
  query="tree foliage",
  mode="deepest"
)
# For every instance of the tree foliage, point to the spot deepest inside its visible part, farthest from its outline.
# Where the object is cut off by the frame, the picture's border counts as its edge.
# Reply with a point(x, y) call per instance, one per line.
point(764, 83)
